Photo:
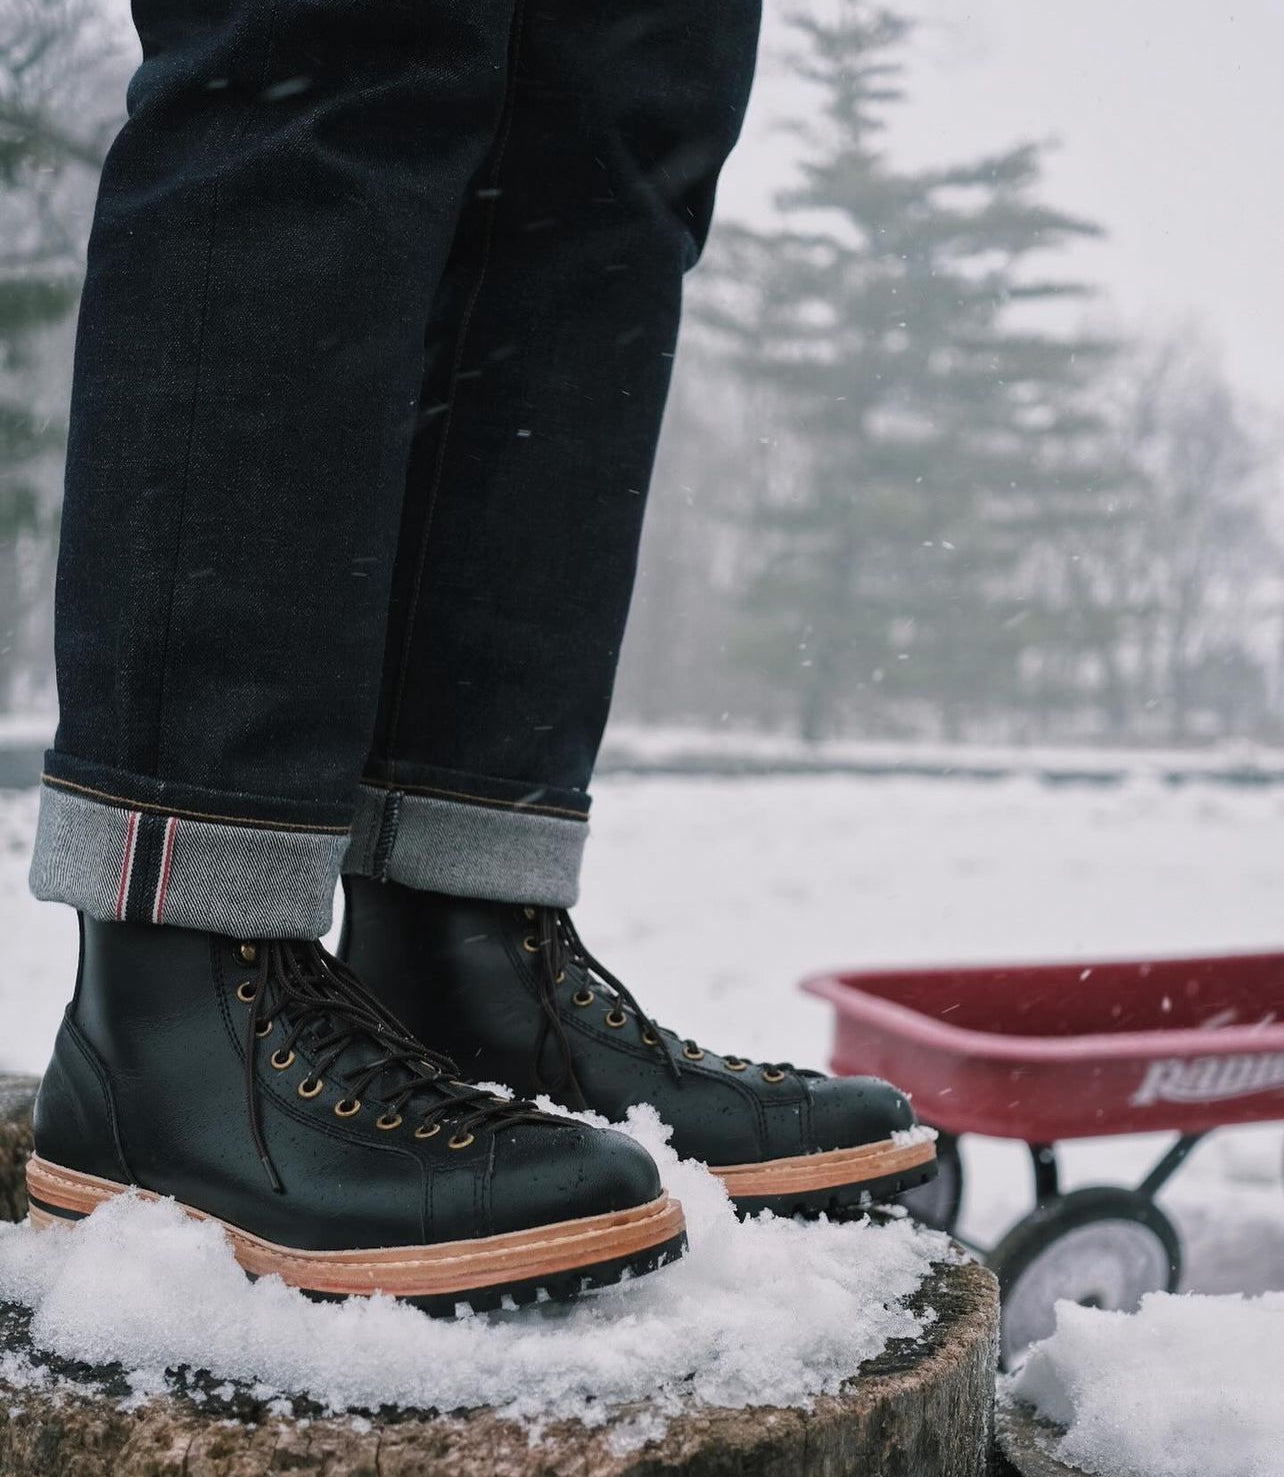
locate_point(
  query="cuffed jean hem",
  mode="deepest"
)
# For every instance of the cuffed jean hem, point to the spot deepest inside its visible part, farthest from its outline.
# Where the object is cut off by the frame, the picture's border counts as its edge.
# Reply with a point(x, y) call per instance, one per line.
point(505, 854)
point(113, 861)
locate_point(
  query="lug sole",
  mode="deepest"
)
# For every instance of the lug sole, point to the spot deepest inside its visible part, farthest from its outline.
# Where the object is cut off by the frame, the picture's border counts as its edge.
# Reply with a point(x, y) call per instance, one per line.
point(557, 1261)
point(829, 1181)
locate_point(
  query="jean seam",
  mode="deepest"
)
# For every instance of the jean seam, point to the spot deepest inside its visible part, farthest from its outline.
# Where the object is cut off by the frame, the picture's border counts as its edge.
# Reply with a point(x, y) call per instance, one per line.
point(158, 749)
point(387, 837)
point(127, 802)
point(492, 210)
point(514, 805)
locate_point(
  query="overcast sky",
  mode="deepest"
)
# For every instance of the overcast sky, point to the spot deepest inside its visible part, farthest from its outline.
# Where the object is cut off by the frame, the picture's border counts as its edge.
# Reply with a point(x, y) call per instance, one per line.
point(1169, 122)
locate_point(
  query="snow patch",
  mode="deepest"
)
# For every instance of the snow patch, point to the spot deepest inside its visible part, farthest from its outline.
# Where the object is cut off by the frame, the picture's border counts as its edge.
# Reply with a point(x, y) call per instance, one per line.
point(1188, 1386)
point(920, 1134)
point(769, 1311)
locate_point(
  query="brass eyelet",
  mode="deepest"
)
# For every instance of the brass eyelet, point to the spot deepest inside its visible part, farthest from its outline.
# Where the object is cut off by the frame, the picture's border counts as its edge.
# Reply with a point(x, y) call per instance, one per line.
point(530, 944)
point(427, 1130)
point(529, 914)
point(246, 953)
point(245, 992)
point(769, 1074)
point(455, 1142)
point(264, 1030)
point(345, 1108)
point(281, 1060)
point(615, 1019)
point(734, 1064)
point(560, 978)
point(693, 1056)
point(648, 1039)
point(386, 1123)
point(583, 997)
point(304, 1090)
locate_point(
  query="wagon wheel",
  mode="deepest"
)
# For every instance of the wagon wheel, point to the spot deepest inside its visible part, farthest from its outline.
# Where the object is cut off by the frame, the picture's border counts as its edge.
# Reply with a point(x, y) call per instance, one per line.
point(1102, 1247)
point(937, 1202)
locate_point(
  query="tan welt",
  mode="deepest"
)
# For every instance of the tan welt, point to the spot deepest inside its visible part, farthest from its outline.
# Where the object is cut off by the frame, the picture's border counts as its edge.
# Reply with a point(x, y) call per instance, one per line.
point(402, 1271)
point(835, 1167)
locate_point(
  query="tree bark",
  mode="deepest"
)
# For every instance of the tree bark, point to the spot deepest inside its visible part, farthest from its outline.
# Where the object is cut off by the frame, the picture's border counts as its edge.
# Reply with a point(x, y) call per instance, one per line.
point(16, 1097)
point(924, 1408)
point(1020, 1447)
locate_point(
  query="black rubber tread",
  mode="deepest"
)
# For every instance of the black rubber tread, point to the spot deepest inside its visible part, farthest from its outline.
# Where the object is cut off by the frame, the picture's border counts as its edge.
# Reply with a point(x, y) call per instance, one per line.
point(566, 1287)
point(837, 1200)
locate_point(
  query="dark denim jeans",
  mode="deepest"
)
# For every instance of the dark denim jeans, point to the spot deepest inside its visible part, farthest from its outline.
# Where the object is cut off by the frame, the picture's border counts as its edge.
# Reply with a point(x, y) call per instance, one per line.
point(380, 312)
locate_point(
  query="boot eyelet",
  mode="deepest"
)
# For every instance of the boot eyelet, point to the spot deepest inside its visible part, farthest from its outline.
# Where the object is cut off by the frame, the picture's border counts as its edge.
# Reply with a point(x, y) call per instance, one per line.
point(245, 992)
point(456, 1142)
point(650, 1040)
point(387, 1123)
point(560, 978)
point(347, 1107)
point(281, 1060)
point(530, 944)
point(734, 1064)
point(583, 997)
point(427, 1130)
point(264, 1030)
point(529, 914)
point(769, 1074)
point(246, 953)
point(693, 1056)
point(310, 1087)
point(615, 1019)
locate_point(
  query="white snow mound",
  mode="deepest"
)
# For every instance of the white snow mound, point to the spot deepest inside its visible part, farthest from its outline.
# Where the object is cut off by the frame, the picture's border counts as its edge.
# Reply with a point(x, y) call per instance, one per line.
point(766, 1312)
point(1187, 1386)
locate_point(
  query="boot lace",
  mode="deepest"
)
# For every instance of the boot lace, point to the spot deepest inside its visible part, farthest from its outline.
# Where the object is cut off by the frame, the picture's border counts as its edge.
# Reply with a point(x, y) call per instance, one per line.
point(316, 996)
point(559, 946)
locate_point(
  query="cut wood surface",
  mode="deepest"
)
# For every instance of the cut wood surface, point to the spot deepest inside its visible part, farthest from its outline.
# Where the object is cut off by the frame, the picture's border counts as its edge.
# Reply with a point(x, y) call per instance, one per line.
point(924, 1408)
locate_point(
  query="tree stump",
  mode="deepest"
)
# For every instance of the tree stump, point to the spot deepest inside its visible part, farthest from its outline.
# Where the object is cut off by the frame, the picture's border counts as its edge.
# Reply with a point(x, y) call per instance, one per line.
point(924, 1408)
point(16, 1097)
point(1021, 1441)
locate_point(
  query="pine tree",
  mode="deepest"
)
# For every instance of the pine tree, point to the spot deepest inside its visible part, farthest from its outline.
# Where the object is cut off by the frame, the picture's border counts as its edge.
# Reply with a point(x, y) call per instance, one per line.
point(948, 454)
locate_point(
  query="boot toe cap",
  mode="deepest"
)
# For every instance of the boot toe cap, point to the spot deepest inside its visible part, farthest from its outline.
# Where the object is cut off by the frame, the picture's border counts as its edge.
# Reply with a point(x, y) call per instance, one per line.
point(850, 1111)
point(562, 1173)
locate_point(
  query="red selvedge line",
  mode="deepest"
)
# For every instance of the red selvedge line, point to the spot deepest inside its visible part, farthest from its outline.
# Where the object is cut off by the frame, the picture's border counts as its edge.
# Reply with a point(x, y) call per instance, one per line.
point(158, 912)
point(126, 864)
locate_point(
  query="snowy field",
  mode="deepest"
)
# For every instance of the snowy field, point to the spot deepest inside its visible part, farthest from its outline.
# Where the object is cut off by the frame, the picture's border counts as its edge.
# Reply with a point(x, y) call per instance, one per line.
point(712, 898)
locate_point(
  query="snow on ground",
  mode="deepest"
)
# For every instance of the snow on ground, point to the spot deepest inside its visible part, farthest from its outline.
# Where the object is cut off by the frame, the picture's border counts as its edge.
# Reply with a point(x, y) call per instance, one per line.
point(1185, 1387)
point(143, 1284)
point(713, 896)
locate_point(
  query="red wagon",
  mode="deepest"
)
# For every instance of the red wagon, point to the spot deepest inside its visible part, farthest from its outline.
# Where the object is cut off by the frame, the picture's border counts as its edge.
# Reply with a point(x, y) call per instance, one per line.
point(1048, 1052)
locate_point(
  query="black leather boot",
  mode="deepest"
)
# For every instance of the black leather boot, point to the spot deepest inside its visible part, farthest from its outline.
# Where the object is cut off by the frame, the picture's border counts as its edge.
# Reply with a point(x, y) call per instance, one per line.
point(258, 1083)
point(514, 995)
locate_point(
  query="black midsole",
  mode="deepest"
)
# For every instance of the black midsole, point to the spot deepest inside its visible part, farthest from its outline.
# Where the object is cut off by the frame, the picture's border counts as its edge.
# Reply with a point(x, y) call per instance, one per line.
point(60, 1211)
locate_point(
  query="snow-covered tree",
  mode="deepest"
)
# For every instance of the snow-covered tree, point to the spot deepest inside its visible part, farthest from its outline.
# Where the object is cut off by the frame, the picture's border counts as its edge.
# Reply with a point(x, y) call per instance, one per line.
point(944, 438)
